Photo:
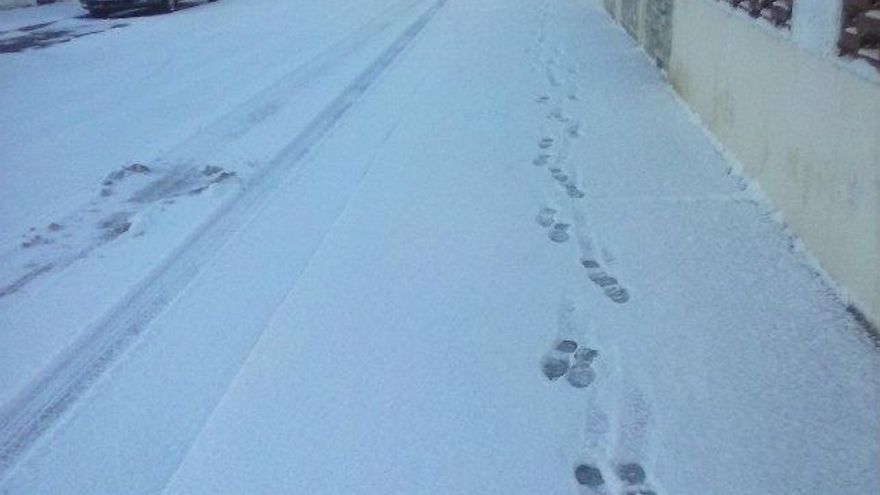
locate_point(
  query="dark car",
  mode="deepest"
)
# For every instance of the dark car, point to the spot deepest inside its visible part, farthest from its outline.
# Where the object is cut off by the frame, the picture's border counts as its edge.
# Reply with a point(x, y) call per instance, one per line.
point(102, 8)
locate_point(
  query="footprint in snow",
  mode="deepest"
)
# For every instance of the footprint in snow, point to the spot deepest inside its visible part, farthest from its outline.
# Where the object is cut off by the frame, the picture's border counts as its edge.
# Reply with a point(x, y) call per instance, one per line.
point(545, 143)
point(559, 175)
point(634, 478)
point(573, 191)
point(581, 374)
point(545, 217)
point(557, 361)
point(596, 474)
point(631, 473)
point(610, 286)
point(590, 477)
point(570, 189)
point(541, 160)
point(114, 225)
point(557, 115)
point(634, 444)
point(602, 279)
point(567, 359)
point(35, 240)
point(559, 232)
point(617, 294)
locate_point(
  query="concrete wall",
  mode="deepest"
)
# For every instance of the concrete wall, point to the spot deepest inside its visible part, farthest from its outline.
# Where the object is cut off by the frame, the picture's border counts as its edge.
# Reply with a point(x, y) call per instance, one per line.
point(805, 125)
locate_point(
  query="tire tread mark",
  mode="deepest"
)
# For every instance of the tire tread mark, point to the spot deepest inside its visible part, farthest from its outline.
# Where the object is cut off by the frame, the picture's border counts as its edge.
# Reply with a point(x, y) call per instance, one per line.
point(55, 391)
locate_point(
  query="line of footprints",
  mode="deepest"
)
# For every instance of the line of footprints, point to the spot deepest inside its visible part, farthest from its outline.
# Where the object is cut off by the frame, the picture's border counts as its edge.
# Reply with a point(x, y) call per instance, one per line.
point(575, 363)
point(559, 231)
point(632, 476)
point(544, 157)
point(566, 359)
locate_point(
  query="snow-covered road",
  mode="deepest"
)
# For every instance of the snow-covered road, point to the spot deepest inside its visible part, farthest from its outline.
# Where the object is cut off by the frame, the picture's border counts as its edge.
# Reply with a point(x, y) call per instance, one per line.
point(398, 246)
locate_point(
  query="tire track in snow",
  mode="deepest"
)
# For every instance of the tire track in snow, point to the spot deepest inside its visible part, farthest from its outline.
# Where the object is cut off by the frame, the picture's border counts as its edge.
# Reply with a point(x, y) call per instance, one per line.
point(186, 156)
point(272, 99)
point(46, 400)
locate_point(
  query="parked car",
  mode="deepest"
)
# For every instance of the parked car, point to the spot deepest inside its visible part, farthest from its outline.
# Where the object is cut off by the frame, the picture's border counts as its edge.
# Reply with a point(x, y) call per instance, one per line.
point(103, 8)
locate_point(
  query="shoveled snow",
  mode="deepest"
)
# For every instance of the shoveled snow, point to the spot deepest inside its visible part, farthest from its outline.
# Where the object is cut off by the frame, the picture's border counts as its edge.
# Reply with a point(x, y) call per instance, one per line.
point(363, 303)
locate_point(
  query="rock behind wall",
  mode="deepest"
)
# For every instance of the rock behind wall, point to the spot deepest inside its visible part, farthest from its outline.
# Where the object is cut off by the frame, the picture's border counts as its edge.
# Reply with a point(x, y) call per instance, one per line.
point(658, 30)
point(649, 22)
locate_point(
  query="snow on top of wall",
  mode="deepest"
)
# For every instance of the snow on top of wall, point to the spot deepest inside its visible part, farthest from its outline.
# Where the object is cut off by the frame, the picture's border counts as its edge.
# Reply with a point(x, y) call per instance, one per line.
point(816, 25)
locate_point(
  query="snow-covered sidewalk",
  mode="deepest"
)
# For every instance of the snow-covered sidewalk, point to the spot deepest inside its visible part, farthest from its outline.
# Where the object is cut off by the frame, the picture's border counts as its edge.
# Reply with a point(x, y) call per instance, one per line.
point(490, 253)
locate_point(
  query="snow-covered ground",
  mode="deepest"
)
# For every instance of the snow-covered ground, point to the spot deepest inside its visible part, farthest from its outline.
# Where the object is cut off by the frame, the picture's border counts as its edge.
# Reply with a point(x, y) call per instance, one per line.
point(327, 247)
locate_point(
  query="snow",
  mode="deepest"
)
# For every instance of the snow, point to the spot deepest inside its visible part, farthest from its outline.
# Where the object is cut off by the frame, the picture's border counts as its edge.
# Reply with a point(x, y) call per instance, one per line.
point(22, 18)
point(364, 302)
point(816, 26)
point(40, 182)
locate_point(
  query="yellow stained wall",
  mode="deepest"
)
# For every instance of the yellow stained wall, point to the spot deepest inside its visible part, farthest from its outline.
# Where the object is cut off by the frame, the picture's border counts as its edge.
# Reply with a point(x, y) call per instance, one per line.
point(806, 128)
